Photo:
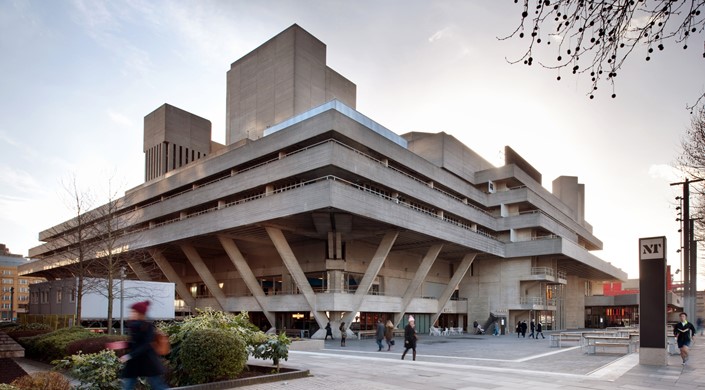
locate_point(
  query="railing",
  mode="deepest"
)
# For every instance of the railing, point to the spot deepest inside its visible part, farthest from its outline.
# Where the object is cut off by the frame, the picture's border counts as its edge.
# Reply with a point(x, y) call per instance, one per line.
point(227, 175)
point(548, 271)
point(540, 301)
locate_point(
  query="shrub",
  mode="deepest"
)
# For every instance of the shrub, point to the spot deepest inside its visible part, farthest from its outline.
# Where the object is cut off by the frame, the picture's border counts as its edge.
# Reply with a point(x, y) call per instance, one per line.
point(239, 325)
point(210, 355)
point(95, 371)
point(52, 346)
point(5, 386)
point(91, 345)
point(49, 380)
point(272, 347)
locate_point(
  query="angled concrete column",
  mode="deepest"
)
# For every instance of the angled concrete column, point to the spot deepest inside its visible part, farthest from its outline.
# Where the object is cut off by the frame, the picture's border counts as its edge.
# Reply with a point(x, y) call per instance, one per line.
point(419, 277)
point(454, 281)
point(173, 277)
point(247, 276)
point(296, 272)
point(371, 273)
point(205, 274)
point(139, 270)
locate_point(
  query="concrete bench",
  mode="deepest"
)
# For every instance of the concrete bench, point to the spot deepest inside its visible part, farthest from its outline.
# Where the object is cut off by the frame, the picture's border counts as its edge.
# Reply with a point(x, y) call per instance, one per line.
point(557, 339)
point(592, 348)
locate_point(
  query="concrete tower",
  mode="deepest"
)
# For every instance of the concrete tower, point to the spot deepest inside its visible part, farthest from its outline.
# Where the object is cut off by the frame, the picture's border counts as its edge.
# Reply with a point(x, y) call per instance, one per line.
point(284, 77)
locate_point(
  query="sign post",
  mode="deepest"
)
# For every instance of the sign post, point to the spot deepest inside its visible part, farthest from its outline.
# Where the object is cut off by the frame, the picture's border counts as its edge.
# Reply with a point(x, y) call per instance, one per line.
point(652, 301)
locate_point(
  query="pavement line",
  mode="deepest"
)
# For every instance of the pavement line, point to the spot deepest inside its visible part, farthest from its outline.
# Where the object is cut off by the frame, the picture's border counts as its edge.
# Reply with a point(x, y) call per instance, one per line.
point(615, 369)
point(450, 365)
point(521, 360)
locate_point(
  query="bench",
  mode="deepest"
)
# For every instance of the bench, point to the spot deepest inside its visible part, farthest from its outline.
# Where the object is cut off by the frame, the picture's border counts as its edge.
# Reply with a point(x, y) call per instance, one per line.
point(557, 339)
point(371, 333)
point(594, 342)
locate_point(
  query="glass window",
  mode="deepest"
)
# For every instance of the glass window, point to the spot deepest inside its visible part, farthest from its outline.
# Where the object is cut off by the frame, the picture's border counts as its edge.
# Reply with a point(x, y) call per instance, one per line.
point(58, 296)
point(7, 281)
point(24, 281)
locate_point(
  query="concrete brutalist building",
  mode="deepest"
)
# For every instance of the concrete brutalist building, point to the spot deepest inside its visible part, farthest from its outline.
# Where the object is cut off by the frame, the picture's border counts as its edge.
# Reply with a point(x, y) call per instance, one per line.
point(312, 212)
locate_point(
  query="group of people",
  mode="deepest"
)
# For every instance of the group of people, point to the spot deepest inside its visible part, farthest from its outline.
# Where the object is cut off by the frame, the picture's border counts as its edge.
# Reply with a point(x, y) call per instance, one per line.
point(535, 327)
point(383, 332)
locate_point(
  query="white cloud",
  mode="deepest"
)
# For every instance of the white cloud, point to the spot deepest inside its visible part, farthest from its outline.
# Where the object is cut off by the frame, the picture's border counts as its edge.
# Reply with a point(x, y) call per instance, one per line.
point(103, 22)
point(664, 172)
point(19, 180)
point(119, 119)
point(440, 34)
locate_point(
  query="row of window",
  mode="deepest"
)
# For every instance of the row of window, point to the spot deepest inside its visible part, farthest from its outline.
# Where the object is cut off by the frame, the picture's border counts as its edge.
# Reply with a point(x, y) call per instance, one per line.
point(43, 296)
point(12, 281)
point(9, 289)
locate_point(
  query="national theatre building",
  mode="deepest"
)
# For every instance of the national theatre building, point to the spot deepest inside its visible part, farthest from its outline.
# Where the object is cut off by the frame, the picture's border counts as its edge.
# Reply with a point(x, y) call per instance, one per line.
point(312, 212)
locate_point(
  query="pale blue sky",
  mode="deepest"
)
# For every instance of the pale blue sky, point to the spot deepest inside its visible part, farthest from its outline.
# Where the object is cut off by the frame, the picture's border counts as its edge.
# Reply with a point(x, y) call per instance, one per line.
point(78, 77)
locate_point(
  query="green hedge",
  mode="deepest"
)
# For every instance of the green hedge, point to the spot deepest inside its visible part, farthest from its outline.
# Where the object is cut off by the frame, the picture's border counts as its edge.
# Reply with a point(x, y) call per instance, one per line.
point(52, 346)
point(210, 355)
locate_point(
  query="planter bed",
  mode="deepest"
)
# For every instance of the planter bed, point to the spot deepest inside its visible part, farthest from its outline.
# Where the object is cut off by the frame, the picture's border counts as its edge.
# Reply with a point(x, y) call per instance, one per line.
point(261, 375)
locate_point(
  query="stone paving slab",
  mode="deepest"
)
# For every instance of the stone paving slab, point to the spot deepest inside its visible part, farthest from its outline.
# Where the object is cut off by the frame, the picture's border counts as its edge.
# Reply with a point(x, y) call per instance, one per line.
point(503, 362)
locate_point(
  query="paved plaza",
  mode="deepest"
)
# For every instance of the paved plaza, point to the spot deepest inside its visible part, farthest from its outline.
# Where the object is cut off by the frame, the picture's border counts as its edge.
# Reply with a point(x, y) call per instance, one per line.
point(484, 362)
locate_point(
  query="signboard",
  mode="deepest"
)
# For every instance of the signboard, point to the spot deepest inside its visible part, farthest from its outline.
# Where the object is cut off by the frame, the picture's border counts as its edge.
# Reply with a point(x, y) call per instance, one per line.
point(652, 248)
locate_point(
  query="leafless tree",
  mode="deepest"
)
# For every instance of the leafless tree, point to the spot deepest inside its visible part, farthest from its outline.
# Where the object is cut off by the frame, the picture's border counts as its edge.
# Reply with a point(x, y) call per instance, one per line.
point(692, 163)
point(74, 249)
point(596, 37)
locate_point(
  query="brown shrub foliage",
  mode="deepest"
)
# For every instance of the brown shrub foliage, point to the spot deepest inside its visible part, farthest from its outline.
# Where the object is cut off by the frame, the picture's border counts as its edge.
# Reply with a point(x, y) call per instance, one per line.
point(48, 380)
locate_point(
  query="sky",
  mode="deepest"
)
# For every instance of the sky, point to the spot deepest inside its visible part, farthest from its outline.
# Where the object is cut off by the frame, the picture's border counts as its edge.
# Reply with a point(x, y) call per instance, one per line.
point(77, 78)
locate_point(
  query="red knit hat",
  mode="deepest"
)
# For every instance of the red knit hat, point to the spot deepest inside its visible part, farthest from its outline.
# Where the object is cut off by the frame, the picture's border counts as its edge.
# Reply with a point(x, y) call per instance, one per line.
point(140, 307)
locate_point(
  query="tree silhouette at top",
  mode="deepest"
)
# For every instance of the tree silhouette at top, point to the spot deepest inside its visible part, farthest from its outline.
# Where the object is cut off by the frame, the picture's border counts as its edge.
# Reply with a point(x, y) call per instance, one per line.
point(596, 37)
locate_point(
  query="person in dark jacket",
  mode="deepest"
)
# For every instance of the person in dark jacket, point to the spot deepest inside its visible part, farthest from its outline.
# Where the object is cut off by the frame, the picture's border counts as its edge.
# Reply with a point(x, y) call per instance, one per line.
point(539, 330)
point(329, 332)
point(523, 329)
point(532, 326)
point(410, 337)
point(379, 334)
point(685, 333)
point(142, 360)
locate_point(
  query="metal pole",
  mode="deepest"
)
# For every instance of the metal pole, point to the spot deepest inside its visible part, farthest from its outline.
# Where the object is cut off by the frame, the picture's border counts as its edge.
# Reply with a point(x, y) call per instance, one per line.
point(12, 304)
point(693, 271)
point(122, 300)
point(687, 294)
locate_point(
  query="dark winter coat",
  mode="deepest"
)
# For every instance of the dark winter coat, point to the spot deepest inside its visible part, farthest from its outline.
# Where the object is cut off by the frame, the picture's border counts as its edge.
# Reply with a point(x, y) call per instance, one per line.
point(144, 362)
point(409, 337)
point(379, 333)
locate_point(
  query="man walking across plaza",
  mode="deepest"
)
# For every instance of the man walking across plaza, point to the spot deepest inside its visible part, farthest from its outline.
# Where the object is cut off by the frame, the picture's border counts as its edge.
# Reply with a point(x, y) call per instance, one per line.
point(379, 334)
point(685, 333)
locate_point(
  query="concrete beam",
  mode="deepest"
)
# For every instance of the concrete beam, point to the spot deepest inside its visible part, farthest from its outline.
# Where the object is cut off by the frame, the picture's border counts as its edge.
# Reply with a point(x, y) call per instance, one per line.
point(173, 277)
point(247, 275)
point(139, 270)
point(454, 281)
point(371, 273)
point(205, 274)
point(419, 277)
point(292, 264)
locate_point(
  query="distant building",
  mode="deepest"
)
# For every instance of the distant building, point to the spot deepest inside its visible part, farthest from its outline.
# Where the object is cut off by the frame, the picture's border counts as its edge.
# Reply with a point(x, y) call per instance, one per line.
point(58, 297)
point(15, 288)
point(313, 212)
point(617, 303)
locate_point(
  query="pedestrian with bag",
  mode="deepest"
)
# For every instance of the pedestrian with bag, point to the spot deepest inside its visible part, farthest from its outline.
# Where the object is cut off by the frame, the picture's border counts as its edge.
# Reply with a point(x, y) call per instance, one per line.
point(389, 334)
point(141, 360)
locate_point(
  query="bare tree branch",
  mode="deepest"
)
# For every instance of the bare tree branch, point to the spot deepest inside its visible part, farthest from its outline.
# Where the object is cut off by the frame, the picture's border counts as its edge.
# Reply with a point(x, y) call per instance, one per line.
point(596, 37)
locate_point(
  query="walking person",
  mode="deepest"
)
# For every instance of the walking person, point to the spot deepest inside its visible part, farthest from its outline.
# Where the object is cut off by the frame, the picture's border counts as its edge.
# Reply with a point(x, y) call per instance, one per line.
point(379, 334)
point(523, 329)
point(329, 332)
point(142, 360)
point(539, 330)
point(343, 334)
point(410, 338)
point(685, 334)
point(532, 327)
point(518, 329)
point(389, 334)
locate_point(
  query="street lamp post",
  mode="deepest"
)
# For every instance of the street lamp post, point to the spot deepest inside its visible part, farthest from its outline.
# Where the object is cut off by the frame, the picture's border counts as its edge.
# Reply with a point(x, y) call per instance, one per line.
point(690, 262)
